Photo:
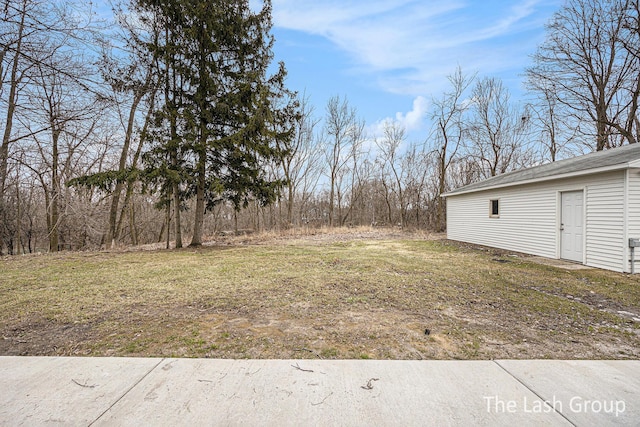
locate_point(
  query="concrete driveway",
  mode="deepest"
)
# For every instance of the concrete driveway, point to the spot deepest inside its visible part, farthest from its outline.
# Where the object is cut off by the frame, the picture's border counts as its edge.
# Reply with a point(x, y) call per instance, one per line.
point(173, 392)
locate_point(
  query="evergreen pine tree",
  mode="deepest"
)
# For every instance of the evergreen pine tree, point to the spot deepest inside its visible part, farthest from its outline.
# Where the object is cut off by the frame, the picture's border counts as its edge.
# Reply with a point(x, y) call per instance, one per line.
point(230, 112)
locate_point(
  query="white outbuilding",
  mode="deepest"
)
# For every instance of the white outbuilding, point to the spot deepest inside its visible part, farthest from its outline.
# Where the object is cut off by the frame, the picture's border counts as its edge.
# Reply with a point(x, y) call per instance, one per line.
point(585, 209)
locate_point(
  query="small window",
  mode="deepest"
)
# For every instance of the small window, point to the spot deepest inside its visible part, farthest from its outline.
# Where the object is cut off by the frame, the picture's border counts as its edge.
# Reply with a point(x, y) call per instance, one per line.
point(494, 208)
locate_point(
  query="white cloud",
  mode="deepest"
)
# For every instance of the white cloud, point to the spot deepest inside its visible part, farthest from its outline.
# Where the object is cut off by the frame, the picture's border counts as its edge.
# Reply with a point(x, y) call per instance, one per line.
point(414, 119)
point(411, 121)
point(410, 46)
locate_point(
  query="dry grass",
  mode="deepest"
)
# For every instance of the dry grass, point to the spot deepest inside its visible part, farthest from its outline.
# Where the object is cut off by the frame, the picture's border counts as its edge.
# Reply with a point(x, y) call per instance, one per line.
point(361, 294)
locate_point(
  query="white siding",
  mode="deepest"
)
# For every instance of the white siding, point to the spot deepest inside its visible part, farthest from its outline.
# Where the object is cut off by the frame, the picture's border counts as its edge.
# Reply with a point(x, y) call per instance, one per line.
point(633, 206)
point(605, 239)
point(529, 222)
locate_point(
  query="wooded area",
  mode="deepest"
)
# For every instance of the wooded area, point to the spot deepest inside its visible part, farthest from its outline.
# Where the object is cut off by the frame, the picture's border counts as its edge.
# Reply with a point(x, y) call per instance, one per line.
point(172, 122)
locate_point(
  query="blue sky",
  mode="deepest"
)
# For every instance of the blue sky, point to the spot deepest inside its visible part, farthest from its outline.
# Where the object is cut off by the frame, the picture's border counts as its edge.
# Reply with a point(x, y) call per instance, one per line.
point(389, 57)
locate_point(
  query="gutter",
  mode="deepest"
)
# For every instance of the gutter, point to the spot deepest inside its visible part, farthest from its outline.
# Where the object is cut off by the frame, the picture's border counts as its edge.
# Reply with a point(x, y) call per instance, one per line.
point(622, 166)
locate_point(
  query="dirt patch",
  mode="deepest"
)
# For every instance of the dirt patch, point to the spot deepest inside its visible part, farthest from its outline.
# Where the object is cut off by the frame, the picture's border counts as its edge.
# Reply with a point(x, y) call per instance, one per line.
point(41, 337)
point(367, 294)
point(375, 334)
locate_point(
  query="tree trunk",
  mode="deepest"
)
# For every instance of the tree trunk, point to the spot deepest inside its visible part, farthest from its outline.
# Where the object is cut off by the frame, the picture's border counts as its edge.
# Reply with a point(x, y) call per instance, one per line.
point(112, 231)
point(55, 193)
point(162, 230)
point(201, 143)
point(4, 147)
point(132, 225)
point(332, 199)
point(168, 222)
point(11, 107)
point(388, 202)
point(18, 221)
point(175, 187)
point(235, 221)
point(170, 100)
point(199, 214)
point(176, 214)
point(134, 164)
point(602, 137)
point(441, 221)
point(290, 205)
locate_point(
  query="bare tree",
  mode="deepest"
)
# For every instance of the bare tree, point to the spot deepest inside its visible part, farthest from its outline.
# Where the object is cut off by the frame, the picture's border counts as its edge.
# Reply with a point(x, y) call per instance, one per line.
point(557, 132)
point(33, 33)
point(416, 164)
point(136, 77)
point(630, 39)
point(393, 173)
point(497, 130)
point(447, 135)
point(357, 168)
point(301, 156)
point(69, 115)
point(16, 46)
point(13, 40)
point(592, 75)
point(339, 123)
point(308, 182)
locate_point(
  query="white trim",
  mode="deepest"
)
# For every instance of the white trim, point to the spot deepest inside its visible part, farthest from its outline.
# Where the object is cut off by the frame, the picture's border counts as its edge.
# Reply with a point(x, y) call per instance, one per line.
point(558, 224)
point(626, 255)
point(582, 190)
point(571, 189)
point(585, 191)
point(491, 214)
point(545, 178)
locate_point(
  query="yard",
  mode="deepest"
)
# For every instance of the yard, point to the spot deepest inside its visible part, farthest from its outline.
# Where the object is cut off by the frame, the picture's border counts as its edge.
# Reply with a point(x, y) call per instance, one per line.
point(366, 294)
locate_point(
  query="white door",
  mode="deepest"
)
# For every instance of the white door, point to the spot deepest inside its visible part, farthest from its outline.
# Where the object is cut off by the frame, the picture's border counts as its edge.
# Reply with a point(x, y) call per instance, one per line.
point(571, 229)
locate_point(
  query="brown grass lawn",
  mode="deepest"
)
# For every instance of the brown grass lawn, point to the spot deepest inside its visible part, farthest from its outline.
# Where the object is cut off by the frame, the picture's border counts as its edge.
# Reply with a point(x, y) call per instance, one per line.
point(352, 295)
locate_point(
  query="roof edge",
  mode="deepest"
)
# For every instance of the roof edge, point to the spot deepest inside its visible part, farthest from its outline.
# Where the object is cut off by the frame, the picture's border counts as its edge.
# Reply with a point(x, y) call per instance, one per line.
point(620, 166)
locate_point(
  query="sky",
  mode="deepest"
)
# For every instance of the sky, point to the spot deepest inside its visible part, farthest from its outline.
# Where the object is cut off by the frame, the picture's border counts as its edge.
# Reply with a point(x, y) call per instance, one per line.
point(389, 58)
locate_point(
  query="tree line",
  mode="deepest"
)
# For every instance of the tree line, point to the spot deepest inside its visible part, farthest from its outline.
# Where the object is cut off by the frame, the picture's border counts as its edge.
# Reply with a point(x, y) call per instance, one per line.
point(172, 122)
